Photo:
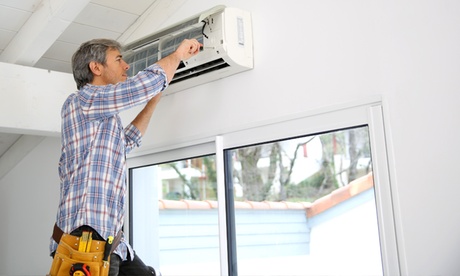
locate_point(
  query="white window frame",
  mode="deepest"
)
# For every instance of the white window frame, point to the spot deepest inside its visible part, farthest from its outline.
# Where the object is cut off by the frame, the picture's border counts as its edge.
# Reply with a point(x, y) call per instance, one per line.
point(366, 112)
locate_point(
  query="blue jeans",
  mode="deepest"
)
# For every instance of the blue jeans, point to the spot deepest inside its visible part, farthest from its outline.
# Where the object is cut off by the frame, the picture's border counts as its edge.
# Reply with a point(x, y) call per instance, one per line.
point(129, 268)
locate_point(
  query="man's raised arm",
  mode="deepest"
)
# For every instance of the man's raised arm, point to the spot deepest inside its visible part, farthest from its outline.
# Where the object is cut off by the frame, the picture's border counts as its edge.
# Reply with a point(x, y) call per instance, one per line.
point(186, 50)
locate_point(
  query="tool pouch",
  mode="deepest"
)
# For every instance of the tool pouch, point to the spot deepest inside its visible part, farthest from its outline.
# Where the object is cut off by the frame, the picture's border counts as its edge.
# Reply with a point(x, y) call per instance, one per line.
point(67, 254)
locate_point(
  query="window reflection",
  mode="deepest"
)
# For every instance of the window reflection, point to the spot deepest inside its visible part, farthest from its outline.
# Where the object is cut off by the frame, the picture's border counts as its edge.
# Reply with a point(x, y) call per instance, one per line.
point(301, 206)
point(305, 206)
point(301, 169)
point(187, 223)
point(193, 179)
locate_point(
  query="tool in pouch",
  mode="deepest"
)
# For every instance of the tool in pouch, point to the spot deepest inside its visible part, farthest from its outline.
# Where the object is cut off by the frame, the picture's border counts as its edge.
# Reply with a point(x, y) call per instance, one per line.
point(80, 269)
point(82, 256)
point(108, 249)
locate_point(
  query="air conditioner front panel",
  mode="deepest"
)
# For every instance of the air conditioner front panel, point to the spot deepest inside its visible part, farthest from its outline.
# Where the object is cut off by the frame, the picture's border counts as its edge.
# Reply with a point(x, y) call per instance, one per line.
point(237, 32)
point(226, 35)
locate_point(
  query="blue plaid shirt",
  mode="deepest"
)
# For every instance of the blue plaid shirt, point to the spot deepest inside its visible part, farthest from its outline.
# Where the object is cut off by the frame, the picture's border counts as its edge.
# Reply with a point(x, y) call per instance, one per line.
point(94, 147)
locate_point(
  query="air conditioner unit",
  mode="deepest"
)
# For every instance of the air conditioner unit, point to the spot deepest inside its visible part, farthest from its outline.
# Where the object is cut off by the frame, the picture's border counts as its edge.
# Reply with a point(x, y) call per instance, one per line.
point(226, 35)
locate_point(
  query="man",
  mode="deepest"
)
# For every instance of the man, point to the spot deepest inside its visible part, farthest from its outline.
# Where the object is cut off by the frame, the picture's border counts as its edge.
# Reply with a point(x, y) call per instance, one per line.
point(94, 142)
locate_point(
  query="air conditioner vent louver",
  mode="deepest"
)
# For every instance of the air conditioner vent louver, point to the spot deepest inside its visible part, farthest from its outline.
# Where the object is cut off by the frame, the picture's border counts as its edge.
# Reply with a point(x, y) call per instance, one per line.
point(226, 34)
point(205, 68)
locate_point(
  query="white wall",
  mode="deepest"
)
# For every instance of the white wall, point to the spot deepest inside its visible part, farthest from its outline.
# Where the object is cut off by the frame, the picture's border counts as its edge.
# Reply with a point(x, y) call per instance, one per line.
point(28, 202)
point(311, 54)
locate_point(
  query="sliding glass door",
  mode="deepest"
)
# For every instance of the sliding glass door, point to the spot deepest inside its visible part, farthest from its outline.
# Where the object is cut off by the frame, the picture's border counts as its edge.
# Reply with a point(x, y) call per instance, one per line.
point(303, 195)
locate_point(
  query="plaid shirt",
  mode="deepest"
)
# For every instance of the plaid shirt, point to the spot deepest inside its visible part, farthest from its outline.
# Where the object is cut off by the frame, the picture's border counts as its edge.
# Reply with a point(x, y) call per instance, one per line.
point(94, 147)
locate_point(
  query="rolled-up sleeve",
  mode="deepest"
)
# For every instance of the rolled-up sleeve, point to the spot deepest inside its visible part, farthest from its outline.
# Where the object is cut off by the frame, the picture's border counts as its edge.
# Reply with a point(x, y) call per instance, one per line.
point(133, 137)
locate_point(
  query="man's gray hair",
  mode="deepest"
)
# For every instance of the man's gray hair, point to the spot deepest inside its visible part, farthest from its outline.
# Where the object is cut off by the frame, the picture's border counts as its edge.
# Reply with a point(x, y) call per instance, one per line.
point(93, 50)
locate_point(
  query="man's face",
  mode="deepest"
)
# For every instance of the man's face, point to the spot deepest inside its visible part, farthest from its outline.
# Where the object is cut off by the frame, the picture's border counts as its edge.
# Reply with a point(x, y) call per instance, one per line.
point(115, 68)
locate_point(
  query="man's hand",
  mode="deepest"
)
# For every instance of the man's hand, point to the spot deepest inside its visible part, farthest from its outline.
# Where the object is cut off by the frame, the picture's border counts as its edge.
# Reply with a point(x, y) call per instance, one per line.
point(185, 50)
point(188, 48)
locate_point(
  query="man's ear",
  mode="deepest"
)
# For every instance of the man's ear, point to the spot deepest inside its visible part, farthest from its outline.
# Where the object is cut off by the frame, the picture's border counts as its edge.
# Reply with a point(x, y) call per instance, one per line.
point(95, 68)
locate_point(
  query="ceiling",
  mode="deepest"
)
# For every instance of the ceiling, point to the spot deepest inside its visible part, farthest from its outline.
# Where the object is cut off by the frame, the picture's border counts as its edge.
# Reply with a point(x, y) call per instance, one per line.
point(45, 33)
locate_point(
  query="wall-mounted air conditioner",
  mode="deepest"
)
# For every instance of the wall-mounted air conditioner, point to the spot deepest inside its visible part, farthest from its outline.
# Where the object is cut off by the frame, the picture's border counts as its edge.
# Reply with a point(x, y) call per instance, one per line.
point(226, 34)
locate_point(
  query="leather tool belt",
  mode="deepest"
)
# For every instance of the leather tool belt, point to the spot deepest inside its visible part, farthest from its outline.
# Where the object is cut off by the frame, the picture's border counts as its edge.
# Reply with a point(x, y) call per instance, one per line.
point(70, 259)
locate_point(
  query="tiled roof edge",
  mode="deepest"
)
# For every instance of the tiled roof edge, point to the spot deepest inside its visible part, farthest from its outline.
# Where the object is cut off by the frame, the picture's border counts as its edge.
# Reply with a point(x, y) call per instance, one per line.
point(326, 202)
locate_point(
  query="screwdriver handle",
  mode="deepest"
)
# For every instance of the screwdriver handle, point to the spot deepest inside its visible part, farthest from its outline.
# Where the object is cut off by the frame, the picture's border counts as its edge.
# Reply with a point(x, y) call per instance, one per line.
point(108, 248)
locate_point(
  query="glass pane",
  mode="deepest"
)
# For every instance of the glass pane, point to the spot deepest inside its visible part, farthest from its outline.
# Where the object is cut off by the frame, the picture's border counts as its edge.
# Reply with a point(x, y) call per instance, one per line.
point(186, 226)
point(306, 206)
